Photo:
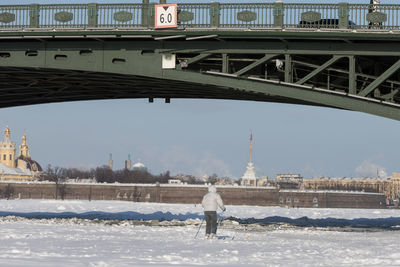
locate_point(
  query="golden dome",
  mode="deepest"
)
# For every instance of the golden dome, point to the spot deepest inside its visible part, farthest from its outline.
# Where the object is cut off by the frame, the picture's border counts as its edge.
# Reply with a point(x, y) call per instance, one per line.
point(7, 131)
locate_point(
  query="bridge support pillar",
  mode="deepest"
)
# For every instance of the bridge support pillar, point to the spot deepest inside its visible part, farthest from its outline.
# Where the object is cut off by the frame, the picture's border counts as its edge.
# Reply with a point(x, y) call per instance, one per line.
point(352, 75)
point(225, 63)
point(93, 14)
point(278, 14)
point(214, 14)
point(343, 15)
point(266, 71)
point(288, 69)
point(34, 16)
point(148, 14)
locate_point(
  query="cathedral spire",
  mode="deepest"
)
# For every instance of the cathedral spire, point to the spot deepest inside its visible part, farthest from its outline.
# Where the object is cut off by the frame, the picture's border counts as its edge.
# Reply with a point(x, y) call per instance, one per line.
point(249, 178)
point(7, 149)
point(24, 148)
point(7, 135)
point(251, 146)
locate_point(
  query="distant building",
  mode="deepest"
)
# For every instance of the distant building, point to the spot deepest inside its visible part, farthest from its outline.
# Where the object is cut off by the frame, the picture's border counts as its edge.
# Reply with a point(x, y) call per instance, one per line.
point(290, 177)
point(128, 163)
point(110, 162)
point(80, 180)
point(249, 177)
point(20, 168)
point(395, 192)
point(387, 186)
point(174, 181)
point(289, 181)
point(139, 167)
point(263, 181)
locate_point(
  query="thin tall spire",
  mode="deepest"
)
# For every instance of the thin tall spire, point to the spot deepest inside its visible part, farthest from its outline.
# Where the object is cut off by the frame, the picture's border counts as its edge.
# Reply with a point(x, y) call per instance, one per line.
point(249, 177)
point(110, 162)
point(251, 145)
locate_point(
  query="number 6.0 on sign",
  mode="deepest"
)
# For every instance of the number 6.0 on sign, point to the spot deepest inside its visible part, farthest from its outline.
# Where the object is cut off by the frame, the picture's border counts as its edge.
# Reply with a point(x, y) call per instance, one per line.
point(166, 16)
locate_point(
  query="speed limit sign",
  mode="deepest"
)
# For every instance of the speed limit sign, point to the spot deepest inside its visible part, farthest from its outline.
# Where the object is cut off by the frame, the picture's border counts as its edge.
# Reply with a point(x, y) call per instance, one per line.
point(166, 16)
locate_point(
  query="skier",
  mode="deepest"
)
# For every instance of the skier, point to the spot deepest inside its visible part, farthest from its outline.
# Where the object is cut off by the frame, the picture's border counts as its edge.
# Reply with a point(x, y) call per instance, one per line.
point(211, 201)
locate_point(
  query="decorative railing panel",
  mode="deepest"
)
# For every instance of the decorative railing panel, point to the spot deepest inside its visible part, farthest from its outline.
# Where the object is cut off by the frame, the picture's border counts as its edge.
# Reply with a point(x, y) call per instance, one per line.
point(204, 15)
point(14, 16)
point(311, 16)
point(119, 15)
point(194, 15)
point(63, 16)
point(246, 15)
point(375, 17)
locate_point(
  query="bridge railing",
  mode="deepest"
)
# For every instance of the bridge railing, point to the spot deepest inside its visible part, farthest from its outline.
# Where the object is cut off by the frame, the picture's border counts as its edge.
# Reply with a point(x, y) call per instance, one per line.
point(203, 15)
point(382, 16)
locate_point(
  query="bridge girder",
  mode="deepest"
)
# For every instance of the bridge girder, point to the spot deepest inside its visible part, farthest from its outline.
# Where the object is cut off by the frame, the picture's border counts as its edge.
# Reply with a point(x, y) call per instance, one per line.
point(354, 75)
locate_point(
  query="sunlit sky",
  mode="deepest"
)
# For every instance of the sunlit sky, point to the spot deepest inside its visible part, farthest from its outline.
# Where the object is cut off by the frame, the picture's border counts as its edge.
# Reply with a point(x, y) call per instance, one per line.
point(207, 136)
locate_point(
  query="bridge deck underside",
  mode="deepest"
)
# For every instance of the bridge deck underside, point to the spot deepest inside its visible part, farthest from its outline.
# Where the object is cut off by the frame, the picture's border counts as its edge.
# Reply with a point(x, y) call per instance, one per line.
point(28, 86)
point(337, 71)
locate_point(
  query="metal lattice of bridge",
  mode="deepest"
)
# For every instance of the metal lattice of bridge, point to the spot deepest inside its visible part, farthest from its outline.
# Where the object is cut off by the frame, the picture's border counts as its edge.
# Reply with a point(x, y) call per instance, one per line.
point(344, 56)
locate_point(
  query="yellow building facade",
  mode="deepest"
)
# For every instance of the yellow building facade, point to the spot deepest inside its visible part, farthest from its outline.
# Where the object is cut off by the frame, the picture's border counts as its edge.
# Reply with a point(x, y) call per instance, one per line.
point(389, 186)
point(7, 150)
point(20, 167)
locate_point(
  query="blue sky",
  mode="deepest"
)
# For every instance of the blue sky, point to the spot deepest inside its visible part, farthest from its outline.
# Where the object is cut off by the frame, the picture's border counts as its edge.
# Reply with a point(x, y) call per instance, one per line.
point(207, 136)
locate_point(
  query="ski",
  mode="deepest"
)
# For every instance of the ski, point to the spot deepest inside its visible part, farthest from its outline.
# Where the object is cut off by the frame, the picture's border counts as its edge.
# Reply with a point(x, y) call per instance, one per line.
point(225, 237)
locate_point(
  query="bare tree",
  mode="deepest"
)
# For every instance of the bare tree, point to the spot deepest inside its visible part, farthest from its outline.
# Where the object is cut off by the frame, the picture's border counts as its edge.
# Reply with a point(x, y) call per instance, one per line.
point(9, 191)
point(55, 175)
point(102, 174)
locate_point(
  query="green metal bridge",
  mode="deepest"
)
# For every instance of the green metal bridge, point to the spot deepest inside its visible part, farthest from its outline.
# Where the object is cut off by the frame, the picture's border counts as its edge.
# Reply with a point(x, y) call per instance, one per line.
point(344, 56)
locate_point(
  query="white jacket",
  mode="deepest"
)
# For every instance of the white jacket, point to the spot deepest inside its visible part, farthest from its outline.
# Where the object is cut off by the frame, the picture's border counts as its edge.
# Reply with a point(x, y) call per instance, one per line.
point(212, 200)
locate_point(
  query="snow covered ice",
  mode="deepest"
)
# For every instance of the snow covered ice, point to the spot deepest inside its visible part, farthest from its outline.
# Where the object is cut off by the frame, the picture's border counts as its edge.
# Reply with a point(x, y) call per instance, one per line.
point(67, 233)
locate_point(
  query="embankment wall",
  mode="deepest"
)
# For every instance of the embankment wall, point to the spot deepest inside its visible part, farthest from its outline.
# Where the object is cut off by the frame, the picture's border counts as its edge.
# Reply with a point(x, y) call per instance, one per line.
point(189, 194)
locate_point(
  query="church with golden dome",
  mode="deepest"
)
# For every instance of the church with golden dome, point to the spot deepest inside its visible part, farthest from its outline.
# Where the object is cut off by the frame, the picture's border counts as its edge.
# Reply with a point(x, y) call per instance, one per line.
point(19, 167)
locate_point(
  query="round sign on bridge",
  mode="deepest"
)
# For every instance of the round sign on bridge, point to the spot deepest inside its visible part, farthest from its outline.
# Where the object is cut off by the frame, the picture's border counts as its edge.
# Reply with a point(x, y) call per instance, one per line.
point(166, 16)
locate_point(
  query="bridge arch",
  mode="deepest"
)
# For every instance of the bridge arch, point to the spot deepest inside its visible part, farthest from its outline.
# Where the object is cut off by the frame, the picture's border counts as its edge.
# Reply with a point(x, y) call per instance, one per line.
point(48, 70)
point(350, 62)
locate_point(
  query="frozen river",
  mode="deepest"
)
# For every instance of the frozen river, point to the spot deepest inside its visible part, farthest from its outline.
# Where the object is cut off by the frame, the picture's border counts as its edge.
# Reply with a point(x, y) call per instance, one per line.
point(27, 240)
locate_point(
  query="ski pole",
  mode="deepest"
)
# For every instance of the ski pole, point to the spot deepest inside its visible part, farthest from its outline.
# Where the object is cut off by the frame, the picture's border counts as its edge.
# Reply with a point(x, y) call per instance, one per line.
point(199, 228)
point(220, 219)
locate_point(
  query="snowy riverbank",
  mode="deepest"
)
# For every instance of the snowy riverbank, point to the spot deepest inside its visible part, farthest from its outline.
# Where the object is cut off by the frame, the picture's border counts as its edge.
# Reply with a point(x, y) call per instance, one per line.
point(192, 214)
point(142, 210)
point(28, 240)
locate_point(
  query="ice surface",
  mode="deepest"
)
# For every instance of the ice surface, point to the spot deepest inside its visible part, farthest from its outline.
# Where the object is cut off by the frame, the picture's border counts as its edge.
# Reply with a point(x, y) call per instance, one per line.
point(54, 241)
point(182, 211)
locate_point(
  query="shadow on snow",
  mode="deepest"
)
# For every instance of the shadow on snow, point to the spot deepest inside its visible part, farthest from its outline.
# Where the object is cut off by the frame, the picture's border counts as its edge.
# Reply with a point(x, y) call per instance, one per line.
point(389, 222)
point(100, 215)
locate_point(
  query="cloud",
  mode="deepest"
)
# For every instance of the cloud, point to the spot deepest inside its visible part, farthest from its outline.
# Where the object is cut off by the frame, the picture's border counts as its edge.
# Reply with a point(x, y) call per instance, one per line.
point(179, 160)
point(369, 169)
point(310, 172)
point(208, 164)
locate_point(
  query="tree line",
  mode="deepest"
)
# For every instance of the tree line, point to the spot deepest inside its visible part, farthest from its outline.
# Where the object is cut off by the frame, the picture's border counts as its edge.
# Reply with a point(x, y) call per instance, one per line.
point(103, 174)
